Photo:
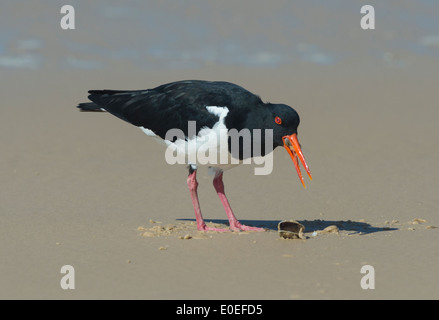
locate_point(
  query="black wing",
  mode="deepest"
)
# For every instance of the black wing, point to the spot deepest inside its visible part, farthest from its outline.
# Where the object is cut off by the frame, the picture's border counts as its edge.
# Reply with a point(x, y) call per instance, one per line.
point(172, 105)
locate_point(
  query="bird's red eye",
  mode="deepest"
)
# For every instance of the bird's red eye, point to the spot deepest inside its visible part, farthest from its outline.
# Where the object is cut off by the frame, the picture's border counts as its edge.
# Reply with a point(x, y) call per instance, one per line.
point(278, 120)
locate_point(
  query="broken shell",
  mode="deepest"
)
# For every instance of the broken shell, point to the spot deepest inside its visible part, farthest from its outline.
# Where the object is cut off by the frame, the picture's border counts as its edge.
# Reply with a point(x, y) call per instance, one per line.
point(291, 229)
point(331, 229)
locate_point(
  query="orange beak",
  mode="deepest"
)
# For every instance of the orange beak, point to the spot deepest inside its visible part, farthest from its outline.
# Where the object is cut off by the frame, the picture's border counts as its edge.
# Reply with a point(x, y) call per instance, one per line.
point(293, 147)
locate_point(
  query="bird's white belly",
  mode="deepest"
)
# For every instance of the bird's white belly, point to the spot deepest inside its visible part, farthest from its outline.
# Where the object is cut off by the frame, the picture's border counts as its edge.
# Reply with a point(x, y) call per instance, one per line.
point(208, 148)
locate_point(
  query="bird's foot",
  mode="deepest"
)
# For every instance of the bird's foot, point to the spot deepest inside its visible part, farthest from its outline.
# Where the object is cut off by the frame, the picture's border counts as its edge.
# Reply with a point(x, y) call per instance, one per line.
point(237, 226)
point(203, 227)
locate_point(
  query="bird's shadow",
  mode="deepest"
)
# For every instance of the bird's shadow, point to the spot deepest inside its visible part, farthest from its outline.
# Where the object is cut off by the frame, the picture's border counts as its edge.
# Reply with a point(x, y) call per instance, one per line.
point(353, 227)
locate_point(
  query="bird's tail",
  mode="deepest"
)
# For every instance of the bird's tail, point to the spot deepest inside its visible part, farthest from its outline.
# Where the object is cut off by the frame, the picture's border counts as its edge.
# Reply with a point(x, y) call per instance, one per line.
point(90, 107)
point(99, 96)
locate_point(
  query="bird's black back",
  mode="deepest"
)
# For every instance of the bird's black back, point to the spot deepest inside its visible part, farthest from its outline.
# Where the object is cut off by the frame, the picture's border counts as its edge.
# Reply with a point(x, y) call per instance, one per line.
point(172, 105)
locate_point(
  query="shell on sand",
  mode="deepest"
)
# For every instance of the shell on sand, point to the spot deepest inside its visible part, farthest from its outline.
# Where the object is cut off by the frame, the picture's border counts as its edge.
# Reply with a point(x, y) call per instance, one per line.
point(291, 229)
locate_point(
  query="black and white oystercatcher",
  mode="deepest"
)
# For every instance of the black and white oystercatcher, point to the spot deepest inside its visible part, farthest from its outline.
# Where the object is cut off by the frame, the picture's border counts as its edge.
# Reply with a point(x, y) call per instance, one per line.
point(213, 109)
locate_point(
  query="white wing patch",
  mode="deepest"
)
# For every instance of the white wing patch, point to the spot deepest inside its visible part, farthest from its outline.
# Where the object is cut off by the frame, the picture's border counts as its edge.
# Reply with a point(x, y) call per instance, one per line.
point(220, 112)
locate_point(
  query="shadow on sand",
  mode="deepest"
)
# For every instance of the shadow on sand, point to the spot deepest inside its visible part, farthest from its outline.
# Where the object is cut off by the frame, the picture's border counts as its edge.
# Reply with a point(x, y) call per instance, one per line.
point(353, 227)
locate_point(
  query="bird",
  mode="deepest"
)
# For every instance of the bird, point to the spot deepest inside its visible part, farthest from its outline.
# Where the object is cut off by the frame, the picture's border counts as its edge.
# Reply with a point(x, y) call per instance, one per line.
point(190, 116)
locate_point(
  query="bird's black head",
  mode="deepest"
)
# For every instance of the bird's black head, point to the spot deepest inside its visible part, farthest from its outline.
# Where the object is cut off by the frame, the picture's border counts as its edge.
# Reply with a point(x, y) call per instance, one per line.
point(280, 119)
point(284, 121)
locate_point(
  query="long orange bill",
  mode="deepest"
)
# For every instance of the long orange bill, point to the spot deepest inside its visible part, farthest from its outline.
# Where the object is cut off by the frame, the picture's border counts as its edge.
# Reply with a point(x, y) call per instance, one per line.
point(292, 145)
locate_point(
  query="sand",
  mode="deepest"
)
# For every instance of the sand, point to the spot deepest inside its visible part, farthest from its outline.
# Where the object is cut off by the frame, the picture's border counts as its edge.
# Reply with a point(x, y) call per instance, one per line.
point(93, 192)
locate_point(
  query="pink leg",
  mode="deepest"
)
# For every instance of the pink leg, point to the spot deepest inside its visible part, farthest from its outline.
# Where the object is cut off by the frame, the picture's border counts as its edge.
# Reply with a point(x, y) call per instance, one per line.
point(193, 185)
point(234, 223)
